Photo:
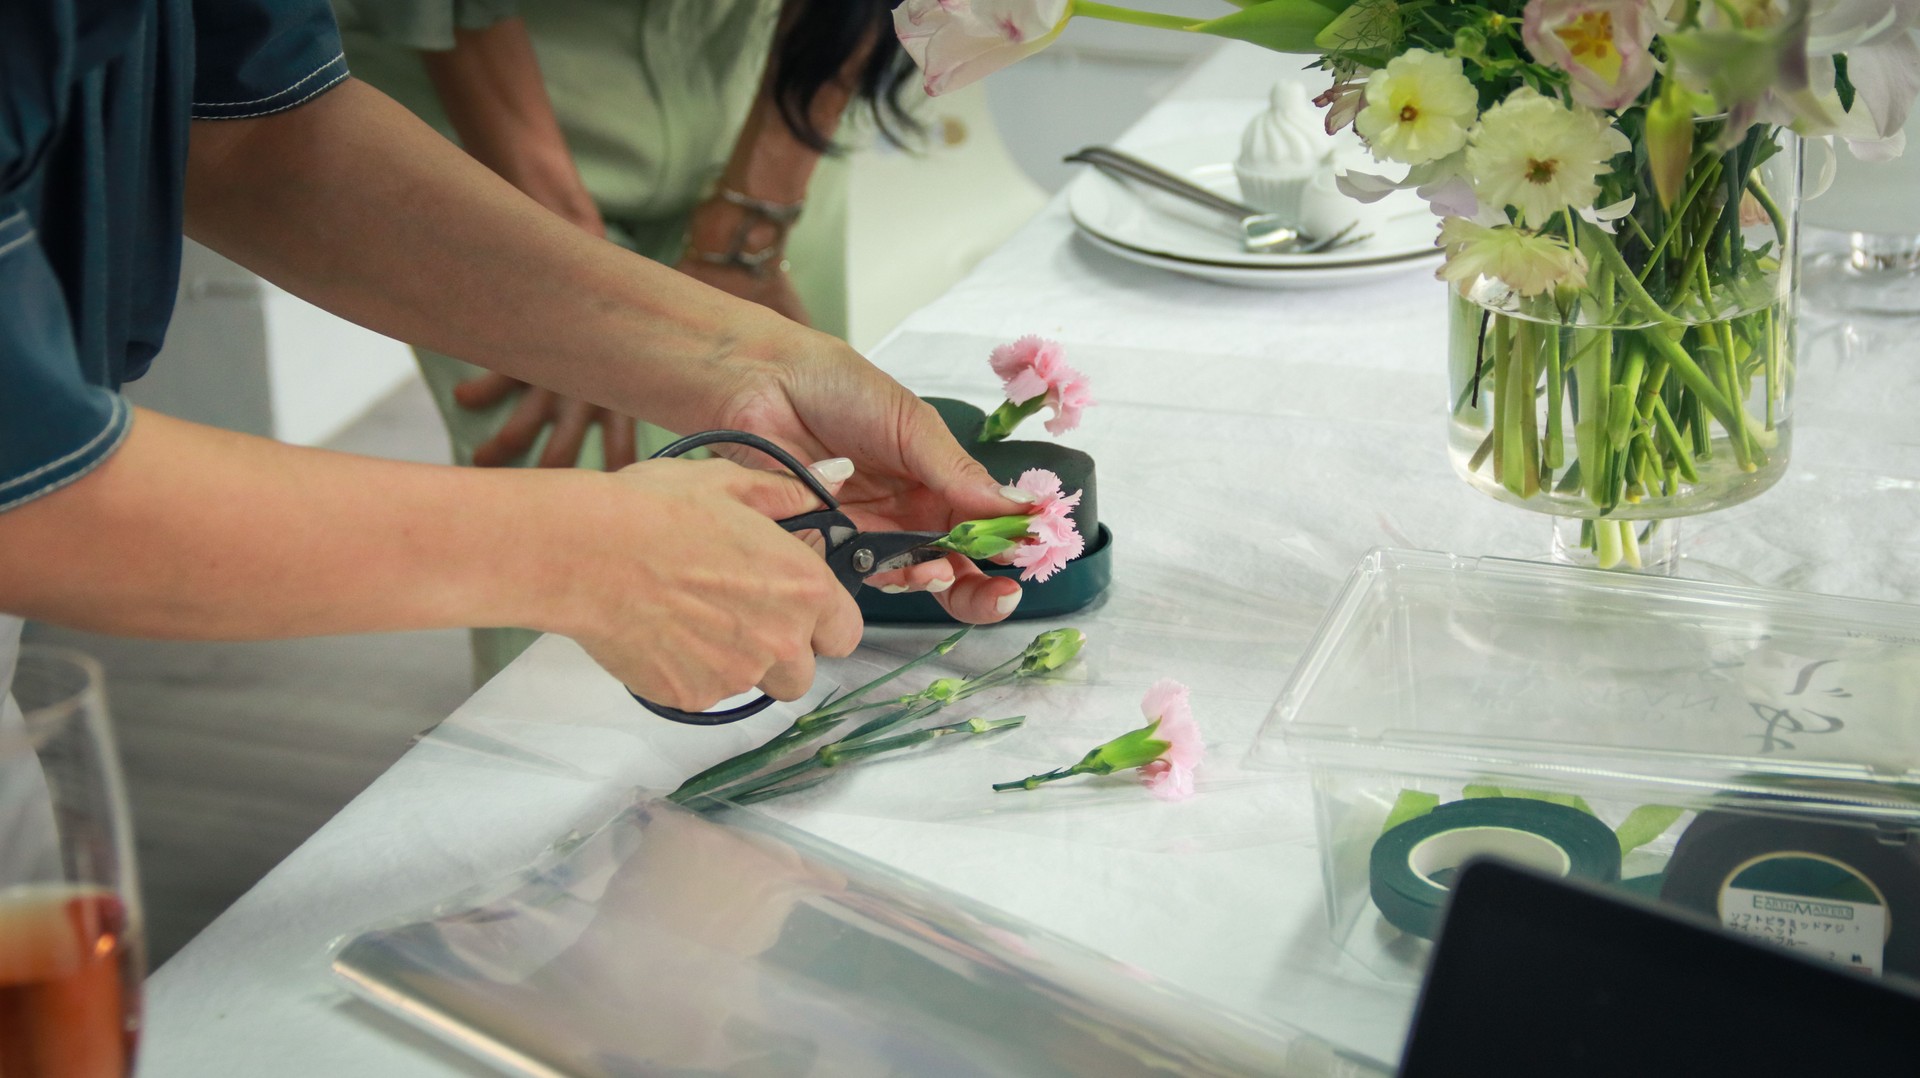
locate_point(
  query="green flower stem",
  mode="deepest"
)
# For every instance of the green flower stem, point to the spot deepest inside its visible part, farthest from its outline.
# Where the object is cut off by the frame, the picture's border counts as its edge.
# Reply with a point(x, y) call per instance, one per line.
point(1111, 13)
point(1502, 419)
point(1556, 392)
point(834, 755)
point(1767, 203)
point(1034, 782)
point(1674, 218)
point(1681, 455)
point(1010, 415)
point(1683, 364)
point(805, 728)
point(1773, 365)
point(942, 648)
point(791, 777)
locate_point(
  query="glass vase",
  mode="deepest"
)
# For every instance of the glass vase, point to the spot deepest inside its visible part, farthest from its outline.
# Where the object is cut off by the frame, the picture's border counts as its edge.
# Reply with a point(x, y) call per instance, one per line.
point(1660, 384)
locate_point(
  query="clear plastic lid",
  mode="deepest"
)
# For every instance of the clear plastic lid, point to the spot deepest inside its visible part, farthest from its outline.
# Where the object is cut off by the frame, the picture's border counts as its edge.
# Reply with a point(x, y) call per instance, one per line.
point(1431, 665)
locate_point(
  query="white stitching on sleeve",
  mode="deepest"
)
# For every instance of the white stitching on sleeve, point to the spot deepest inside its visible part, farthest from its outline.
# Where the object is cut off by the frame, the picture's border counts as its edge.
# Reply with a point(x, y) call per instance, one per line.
point(16, 241)
point(283, 90)
point(114, 424)
point(317, 91)
point(119, 407)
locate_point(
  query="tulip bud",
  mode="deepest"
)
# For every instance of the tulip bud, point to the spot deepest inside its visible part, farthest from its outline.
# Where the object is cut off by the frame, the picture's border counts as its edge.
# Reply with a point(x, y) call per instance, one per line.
point(1670, 142)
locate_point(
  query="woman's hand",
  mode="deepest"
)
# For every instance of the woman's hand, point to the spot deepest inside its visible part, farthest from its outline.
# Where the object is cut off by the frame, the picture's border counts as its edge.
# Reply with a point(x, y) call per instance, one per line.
point(822, 399)
point(688, 592)
point(536, 410)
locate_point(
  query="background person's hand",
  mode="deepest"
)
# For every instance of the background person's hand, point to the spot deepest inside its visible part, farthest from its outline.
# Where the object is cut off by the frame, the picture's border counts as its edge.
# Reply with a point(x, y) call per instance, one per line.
point(693, 592)
point(538, 410)
point(822, 399)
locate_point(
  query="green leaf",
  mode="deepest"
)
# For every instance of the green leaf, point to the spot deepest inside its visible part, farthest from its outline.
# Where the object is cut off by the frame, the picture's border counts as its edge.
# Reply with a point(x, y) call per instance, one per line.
point(1410, 805)
point(1644, 824)
point(1368, 26)
point(1280, 25)
point(1843, 83)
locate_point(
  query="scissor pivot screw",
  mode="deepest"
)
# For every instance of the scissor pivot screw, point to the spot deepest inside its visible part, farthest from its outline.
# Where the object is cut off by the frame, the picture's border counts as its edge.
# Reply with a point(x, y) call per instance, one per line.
point(863, 561)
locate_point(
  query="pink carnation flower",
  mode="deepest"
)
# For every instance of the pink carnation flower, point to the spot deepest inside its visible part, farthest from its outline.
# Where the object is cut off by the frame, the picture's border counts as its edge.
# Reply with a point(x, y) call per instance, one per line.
point(1032, 366)
point(1170, 778)
point(1052, 540)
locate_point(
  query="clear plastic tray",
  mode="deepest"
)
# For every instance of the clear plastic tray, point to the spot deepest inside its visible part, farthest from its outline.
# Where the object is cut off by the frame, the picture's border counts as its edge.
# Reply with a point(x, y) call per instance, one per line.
point(1449, 676)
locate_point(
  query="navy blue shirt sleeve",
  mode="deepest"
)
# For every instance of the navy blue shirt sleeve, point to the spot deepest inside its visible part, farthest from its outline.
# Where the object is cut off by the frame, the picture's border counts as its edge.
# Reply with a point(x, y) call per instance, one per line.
point(54, 427)
point(255, 57)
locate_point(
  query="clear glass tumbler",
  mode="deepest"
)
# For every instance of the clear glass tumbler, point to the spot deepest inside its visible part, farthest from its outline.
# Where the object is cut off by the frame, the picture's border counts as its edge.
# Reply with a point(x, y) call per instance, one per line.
point(71, 952)
point(1868, 259)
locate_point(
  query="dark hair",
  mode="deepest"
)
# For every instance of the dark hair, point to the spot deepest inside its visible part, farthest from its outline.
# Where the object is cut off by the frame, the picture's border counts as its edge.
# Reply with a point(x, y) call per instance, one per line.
point(817, 38)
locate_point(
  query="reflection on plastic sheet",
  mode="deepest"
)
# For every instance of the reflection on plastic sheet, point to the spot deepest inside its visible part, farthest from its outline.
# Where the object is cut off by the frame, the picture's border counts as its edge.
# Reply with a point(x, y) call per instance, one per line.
point(666, 942)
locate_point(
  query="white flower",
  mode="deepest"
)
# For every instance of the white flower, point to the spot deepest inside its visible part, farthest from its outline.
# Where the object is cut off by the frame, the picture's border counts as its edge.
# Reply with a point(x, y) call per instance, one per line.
point(1538, 156)
point(1527, 262)
point(958, 42)
point(1418, 108)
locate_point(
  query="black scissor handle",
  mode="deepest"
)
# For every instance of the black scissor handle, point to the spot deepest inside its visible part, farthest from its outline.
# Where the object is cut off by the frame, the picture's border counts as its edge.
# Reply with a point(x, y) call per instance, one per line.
point(799, 523)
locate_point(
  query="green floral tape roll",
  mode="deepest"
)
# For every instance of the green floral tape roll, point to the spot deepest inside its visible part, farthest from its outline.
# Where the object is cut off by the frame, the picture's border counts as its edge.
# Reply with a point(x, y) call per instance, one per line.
point(1411, 864)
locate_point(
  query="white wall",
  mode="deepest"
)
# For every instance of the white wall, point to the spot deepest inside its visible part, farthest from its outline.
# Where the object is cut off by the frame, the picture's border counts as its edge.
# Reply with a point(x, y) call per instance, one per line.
point(246, 355)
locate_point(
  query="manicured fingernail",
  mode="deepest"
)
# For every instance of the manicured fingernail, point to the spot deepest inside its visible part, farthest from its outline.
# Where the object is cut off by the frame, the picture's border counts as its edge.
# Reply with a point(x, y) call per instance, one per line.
point(1015, 494)
point(833, 470)
point(1007, 602)
point(940, 585)
point(893, 589)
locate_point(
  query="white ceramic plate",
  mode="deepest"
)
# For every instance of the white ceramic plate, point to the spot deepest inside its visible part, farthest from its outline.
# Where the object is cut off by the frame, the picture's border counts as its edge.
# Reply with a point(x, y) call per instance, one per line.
point(1129, 220)
point(1319, 276)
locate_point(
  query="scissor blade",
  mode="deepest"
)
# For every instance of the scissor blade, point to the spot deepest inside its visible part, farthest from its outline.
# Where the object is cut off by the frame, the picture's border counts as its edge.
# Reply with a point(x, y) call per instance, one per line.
point(894, 550)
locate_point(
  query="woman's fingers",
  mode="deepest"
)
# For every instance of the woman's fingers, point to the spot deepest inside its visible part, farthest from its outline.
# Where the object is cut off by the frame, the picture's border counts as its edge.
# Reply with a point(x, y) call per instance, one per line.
point(617, 441)
point(519, 432)
point(485, 390)
point(570, 423)
point(979, 599)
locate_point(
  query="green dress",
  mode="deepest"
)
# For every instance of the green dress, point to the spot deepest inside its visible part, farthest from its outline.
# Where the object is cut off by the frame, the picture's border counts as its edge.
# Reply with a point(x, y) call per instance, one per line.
point(650, 95)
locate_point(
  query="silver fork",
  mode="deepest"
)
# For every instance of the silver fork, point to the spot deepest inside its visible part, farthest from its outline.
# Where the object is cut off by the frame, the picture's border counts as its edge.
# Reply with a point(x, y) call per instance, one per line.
point(1260, 233)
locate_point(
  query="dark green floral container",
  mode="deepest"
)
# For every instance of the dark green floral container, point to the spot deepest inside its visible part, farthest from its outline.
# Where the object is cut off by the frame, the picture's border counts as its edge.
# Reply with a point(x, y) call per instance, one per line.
point(1073, 587)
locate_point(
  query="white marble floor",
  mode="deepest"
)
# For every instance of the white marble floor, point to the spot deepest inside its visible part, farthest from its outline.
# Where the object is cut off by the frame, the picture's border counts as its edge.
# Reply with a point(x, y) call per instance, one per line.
point(235, 753)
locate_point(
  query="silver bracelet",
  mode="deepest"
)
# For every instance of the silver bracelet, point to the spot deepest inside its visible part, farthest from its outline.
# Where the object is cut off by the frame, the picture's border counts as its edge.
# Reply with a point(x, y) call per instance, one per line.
point(767, 259)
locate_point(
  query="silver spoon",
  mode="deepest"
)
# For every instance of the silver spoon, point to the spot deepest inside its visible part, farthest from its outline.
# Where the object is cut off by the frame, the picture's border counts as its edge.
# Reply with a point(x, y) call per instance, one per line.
point(1260, 233)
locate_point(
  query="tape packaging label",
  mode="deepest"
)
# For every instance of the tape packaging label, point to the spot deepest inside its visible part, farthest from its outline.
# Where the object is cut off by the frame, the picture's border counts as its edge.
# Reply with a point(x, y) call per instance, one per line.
point(1850, 933)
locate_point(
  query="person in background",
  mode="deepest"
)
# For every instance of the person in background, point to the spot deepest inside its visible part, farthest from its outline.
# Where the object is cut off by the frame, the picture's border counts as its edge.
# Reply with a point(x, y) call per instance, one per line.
point(124, 123)
point(690, 131)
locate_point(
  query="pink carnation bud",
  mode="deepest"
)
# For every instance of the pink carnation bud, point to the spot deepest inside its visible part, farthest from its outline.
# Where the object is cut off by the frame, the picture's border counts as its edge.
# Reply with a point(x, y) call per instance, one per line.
point(1033, 366)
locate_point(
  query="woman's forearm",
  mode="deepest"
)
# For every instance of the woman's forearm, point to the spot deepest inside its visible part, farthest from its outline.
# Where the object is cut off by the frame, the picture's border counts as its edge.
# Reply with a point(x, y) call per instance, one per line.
point(192, 532)
point(355, 205)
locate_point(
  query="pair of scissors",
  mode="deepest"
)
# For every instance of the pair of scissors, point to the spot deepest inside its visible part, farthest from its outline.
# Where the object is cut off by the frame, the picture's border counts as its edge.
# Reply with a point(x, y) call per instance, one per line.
point(852, 554)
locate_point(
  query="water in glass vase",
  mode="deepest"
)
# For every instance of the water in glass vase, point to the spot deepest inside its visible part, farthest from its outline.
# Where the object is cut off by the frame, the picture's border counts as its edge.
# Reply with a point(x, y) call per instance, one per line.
point(67, 980)
point(1653, 384)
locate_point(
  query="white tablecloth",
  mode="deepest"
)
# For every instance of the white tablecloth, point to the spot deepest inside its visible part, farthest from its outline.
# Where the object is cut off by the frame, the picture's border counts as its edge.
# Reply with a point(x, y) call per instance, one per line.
point(1251, 446)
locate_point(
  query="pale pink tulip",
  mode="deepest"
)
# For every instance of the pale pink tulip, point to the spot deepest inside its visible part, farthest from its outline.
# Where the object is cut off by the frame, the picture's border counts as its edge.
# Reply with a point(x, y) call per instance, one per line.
point(1602, 44)
point(959, 42)
point(1032, 366)
point(1052, 540)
